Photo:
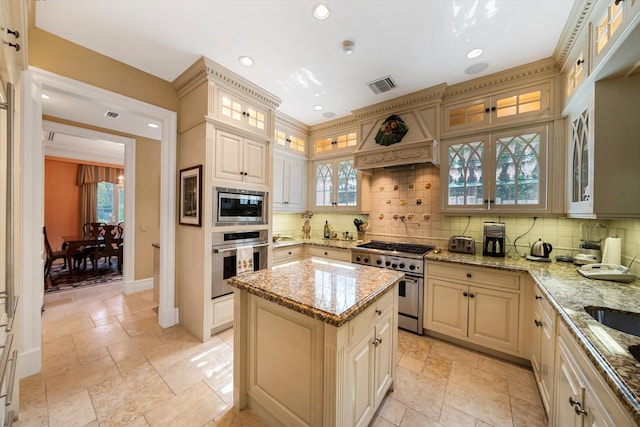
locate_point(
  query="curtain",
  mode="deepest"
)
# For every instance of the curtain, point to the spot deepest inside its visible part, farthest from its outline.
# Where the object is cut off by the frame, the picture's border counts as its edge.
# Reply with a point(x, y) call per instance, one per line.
point(88, 178)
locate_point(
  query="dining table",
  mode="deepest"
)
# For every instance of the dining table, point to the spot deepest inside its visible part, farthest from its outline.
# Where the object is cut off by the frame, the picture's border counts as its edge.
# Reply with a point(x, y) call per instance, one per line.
point(77, 242)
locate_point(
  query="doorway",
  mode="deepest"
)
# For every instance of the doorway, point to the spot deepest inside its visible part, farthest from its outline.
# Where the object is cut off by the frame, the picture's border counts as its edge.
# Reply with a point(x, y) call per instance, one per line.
point(34, 82)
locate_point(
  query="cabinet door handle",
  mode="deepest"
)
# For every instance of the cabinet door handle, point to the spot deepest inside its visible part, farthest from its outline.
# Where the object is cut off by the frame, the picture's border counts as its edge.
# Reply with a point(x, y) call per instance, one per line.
point(538, 323)
point(538, 297)
point(471, 295)
point(580, 61)
point(377, 341)
point(378, 312)
point(617, 2)
point(465, 294)
point(469, 275)
point(577, 406)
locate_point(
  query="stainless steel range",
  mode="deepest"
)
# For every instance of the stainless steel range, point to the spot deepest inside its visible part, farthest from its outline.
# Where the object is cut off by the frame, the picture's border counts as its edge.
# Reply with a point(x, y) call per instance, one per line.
point(405, 257)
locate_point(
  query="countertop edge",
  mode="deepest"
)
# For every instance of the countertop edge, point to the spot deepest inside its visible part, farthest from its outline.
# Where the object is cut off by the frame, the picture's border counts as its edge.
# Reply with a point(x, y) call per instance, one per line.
point(331, 319)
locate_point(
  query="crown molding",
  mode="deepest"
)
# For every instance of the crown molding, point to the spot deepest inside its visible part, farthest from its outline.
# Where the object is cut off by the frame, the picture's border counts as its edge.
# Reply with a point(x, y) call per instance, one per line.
point(542, 68)
point(577, 21)
point(432, 94)
point(206, 69)
point(291, 123)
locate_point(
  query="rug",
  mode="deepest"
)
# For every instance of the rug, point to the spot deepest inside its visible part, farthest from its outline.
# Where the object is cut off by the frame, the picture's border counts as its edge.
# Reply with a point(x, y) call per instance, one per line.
point(60, 279)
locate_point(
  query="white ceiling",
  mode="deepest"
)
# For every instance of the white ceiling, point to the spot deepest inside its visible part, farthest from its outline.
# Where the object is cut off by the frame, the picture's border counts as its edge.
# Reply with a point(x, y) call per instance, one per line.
point(419, 43)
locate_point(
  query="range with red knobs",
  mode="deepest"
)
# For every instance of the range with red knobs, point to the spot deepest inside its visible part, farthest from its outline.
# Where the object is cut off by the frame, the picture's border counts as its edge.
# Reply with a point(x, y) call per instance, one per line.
point(405, 257)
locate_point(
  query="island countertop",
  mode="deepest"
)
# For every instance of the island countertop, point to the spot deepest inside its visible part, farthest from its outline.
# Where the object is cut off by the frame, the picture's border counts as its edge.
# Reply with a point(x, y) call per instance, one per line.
point(331, 291)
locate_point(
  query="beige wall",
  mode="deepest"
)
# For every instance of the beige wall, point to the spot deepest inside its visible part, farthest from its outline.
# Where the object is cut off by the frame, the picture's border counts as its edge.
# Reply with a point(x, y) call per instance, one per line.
point(147, 198)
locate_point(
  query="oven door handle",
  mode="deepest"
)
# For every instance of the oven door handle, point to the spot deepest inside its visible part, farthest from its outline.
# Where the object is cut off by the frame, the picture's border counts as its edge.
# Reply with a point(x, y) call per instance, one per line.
point(410, 280)
point(220, 251)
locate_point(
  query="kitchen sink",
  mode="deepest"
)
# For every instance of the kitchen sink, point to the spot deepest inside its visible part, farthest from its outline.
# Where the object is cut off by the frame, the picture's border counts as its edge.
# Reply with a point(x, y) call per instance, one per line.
point(624, 321)
point(635, 351)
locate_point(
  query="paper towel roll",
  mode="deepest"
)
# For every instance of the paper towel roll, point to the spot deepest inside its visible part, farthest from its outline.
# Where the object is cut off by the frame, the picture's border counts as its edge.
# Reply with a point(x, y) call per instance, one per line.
point(612, 250)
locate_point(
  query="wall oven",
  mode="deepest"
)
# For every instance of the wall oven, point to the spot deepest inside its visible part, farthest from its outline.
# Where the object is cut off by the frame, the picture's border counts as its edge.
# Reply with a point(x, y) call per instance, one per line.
point(224, 248)
point(234, 206)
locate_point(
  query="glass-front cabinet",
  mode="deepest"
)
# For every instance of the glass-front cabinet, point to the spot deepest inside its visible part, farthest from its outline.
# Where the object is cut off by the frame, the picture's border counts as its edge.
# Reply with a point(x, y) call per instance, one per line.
point(337, 185)
point(580, 164)
point(503, 172)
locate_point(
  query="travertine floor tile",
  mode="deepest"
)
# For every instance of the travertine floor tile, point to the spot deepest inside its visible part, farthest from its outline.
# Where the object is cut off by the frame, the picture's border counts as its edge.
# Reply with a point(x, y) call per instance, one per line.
point(195, 407)
point(107, 362)
point(74, 410)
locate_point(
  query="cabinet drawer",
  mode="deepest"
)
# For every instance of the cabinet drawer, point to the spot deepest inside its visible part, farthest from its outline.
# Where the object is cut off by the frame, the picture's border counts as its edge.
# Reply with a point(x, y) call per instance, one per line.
point(333, 253)
point(369, 317)
point(466, 274)
point(288, 253)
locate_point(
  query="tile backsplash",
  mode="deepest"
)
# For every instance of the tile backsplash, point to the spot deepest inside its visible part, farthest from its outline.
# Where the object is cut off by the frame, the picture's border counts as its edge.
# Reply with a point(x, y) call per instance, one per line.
point(405, 206)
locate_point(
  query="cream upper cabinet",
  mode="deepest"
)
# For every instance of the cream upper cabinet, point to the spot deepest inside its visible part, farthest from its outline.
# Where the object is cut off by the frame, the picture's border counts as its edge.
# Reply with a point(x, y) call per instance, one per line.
point(476, 305)
point(240, 159)
point(342, 142)
point(501, 172)
point(288, 141)
point(241, 113)
point(609, 21)
point(338, 186)
point(576, 69)
point(602, 158)
point(511, 106)
point(289, 183)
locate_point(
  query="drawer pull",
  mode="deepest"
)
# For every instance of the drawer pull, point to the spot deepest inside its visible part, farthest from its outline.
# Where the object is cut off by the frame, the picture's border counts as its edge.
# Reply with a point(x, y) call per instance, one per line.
point(378, 312)
point(538, 297)
point(538, 323)
point(469, 275)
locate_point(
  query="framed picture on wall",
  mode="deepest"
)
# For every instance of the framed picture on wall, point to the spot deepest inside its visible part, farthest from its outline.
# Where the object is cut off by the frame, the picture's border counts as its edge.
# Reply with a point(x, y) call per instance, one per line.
point(191, 196)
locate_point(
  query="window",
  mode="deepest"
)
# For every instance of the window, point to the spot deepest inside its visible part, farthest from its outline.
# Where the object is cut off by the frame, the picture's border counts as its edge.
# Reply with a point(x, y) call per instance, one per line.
point(110, 202)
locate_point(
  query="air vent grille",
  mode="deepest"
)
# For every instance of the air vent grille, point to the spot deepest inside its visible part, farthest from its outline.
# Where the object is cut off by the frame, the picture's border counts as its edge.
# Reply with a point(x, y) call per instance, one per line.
point(384, 84)
point(112, 114)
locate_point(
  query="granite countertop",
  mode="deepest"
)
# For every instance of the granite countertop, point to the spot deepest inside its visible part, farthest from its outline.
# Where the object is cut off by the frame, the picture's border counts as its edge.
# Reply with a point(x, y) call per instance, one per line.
point(569, 292)
point(331, 291)
point(333, 243)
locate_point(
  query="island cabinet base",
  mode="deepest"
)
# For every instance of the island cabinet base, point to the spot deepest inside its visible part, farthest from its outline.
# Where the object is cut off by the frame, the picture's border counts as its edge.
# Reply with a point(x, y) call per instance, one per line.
point(295, 370)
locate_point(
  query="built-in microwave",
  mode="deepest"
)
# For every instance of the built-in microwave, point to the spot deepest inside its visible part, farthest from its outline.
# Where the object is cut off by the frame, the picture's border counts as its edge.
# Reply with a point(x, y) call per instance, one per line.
point(239, 207)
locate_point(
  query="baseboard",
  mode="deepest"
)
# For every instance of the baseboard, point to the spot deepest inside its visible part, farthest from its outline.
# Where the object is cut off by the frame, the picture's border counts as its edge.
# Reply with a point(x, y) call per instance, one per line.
point(30, 362)
point(131, 287)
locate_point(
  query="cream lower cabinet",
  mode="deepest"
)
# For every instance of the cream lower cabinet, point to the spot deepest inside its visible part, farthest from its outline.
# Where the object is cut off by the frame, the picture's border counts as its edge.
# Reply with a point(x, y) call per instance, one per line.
point(300, 371)
point(582, 398)
point(543, 342)
point(285, 254)
point(338, 254)
point(370, 369)
point(475, 305)
point(221, 313)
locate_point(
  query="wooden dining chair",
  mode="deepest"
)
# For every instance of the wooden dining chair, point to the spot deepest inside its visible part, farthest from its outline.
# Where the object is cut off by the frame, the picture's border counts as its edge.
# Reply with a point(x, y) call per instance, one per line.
point(107, 248)
point(51, 255)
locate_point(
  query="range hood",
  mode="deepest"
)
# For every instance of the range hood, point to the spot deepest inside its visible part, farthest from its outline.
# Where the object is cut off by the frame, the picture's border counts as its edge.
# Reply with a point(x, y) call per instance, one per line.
point(378, 149)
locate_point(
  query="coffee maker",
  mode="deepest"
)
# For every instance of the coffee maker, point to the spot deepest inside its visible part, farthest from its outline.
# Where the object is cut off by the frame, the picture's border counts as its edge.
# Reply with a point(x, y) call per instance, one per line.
point(591, 242)
point(493, 241)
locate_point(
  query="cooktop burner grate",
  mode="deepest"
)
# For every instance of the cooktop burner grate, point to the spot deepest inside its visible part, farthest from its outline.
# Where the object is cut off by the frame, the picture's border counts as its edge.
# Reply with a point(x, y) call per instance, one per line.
point(397, 247)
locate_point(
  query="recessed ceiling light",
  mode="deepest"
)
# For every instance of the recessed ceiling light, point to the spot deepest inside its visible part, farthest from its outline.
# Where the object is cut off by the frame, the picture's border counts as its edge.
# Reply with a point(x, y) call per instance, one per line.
point(45, 96)
point(474, 53)
point(246, 61)
point(320, 11)
point(153, 125)
point(318, 107)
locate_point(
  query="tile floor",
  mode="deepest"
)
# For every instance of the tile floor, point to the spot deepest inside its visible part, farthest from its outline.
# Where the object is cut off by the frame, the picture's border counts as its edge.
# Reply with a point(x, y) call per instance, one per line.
point(106, 362)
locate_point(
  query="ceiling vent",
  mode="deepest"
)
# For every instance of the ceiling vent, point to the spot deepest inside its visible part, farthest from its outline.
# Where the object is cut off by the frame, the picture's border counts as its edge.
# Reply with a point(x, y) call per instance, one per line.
point(112, 114)
point(385, 84)
point(50, 136)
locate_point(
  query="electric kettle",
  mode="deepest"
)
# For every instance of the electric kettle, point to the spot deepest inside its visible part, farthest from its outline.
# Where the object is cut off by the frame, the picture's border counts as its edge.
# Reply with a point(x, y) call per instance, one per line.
point(541, 249)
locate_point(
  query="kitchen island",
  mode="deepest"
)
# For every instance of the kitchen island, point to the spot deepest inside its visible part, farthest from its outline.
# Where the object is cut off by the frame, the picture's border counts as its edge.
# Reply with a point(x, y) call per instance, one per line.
point(315, 342)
